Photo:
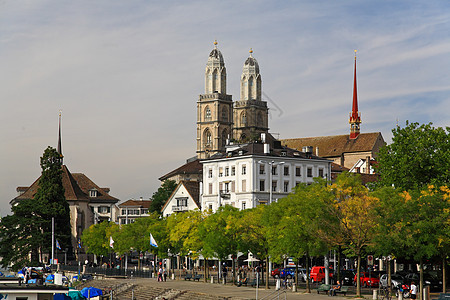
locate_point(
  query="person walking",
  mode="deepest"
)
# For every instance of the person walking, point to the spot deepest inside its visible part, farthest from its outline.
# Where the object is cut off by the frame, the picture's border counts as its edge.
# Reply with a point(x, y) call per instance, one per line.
point(413, 290)
point(160, 274)
point(224, 273)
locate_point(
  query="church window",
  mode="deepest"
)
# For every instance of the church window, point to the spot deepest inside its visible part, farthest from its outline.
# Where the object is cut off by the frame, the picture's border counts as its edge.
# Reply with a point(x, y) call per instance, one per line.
point(207, 114)
point(244, 119)
point(225, 114)
point(208, 138)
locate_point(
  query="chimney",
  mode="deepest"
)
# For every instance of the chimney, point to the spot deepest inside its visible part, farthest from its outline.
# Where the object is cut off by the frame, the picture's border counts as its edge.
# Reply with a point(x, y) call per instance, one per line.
point(317, 151)
point(141, 199)
point(367, 164)
point(266, 148)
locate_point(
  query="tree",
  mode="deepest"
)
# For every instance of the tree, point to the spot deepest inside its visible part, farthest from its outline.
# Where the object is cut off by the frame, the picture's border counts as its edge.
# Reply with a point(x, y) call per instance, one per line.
point(220, 235)
point(51, 202)
point(161, 195)
point(417, 156)
point(29, 229)
point(295, 224)
point(354, 207)
point(96, 239)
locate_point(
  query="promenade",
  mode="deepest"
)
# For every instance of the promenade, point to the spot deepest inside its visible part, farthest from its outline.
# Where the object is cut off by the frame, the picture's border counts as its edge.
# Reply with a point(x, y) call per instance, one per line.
point(150, 288)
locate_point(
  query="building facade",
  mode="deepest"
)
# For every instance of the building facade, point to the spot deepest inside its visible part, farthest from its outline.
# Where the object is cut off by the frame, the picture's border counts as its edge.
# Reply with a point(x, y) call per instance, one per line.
point(131, 210)
point(254, 174)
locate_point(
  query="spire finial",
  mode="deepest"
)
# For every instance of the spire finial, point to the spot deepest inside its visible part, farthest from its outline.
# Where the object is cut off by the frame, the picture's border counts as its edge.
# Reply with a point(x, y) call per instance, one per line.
point(355, 53)
point(59, 138)
point(215, 44)
point(251, 51)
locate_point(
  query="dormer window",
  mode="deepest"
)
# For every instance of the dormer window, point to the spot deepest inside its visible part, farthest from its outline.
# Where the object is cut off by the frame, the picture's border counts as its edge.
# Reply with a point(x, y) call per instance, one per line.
point(93, 193)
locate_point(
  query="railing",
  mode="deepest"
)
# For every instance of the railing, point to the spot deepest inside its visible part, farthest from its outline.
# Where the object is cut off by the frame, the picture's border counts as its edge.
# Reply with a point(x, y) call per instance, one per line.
point(272, 295)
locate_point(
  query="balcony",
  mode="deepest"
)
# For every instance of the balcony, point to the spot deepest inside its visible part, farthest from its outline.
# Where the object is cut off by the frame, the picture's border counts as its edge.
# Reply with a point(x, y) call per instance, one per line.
point(179, 208)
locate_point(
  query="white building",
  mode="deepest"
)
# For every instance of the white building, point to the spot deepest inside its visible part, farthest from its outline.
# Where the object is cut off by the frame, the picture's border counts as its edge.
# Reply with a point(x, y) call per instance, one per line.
point(184, 197)
point(252, 174)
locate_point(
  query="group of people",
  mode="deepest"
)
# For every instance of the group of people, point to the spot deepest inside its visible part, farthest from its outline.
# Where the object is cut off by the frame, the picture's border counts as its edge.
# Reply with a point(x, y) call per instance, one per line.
point(337, 287)
point(162, 273)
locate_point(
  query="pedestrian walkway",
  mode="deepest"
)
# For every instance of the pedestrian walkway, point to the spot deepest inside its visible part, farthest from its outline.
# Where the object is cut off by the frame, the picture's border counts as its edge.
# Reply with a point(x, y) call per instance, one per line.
point(150, 288)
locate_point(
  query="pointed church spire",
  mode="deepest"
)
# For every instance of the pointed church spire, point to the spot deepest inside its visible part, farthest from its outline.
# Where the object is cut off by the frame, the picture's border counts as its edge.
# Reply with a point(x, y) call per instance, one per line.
point(355, 115)
point(59, 139)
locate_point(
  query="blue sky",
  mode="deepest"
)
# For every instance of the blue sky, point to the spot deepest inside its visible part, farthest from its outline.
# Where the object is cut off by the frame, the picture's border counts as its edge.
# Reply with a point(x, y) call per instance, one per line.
point(127, 75)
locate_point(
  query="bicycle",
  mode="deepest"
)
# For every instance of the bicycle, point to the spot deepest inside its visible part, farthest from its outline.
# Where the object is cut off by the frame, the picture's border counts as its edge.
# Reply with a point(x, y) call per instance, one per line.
point(384, 293)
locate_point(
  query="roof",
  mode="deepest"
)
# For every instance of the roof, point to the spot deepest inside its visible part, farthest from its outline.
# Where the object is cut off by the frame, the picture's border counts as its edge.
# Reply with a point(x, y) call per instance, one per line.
point(136, 203)
point(193, 167)
point(76, 188)
point(336, 145)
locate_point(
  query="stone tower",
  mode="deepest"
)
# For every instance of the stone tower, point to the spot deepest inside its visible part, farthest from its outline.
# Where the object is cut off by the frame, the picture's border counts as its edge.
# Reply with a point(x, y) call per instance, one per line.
point(250, 113)
point(214, 108)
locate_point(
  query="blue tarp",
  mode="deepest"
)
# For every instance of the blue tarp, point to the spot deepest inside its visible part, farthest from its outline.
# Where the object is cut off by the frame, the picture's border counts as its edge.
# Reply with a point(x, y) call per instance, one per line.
point(50, 278)
point(61, 297)
point(75, 295)
point(91, 292)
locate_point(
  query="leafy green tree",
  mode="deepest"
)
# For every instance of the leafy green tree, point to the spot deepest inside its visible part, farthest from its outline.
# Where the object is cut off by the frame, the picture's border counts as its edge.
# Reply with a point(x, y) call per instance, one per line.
point(355, 209)
point(161, 195)
point(51, 202)
point(418, 155)
point(20, 236)
point(184, 238)
point(96, 239)
point(254, 235)
point(29, 229)
point(296, 224)
point(220, 235)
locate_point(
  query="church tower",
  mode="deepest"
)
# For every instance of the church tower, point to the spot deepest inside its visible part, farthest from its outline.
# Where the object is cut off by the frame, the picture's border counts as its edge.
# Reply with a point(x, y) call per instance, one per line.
point(214, 108)
point(355, 115)
point(250, 113)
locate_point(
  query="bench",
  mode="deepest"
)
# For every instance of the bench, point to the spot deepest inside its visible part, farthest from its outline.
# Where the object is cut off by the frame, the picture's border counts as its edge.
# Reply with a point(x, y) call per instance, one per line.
point(443, 296)
point(188, 276)
point(197, 277)
point(323, 288)
point(242, 282)
point(343, 290)
point(254, 283)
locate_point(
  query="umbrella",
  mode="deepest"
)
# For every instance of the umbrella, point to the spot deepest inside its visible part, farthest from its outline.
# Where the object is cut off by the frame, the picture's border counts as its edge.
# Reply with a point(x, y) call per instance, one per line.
point(251, 259)
point(61, 297)
point(91, 292)
point(75, 295)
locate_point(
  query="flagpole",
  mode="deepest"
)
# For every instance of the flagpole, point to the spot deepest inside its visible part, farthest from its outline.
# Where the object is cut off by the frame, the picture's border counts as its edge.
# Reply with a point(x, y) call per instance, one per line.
point(53, 240)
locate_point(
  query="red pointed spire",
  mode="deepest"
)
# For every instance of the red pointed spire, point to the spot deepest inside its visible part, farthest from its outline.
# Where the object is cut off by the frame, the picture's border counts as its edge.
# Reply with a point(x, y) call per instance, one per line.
point(355, 115)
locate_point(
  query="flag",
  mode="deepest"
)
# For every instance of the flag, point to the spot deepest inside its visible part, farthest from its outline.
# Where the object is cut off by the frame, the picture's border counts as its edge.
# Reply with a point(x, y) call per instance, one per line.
point(58, 245)
point(152, 241)
point(111, 242)
point(79, 243)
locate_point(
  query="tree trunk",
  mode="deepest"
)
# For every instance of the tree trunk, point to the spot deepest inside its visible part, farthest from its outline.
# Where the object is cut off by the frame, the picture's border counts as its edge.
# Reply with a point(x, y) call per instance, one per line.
point(205, 271)
point(233, 282)
point(267, 272)
point(358, 276)
point(389, 275)
point(308, 285)
point(444, 275)
point(421, 280)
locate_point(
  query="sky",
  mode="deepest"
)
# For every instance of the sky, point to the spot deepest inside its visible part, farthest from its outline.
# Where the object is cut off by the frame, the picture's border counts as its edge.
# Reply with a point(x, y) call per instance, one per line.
point(127, 75)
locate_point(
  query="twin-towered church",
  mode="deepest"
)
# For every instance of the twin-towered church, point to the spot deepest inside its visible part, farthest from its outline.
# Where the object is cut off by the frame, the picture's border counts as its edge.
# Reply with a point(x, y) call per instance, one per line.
point(219, 119)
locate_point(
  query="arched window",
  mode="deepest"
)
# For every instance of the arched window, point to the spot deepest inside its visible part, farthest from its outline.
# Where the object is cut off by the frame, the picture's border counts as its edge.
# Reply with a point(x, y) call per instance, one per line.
point(207, 114)
point(225, 114)
point(243, 119)
point(224, 137)
point(259, 119)
point(207, 137)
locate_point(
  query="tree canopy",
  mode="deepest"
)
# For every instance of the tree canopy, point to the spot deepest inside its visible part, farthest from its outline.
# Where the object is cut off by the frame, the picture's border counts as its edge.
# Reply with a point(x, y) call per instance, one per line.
point(418, 155)
point(161, 195)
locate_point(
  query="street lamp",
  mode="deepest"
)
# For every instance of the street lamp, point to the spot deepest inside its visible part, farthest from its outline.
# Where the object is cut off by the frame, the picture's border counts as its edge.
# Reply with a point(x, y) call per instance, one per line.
point(271, 164)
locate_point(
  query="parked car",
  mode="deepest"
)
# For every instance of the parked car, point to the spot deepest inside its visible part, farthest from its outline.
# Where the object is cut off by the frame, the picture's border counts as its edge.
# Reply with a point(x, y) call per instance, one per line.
point(288, 272)
point(367, 280)
point(430, 280)
point(347, 277)
point(396, 280)
point(317, 274)
point(276, 272)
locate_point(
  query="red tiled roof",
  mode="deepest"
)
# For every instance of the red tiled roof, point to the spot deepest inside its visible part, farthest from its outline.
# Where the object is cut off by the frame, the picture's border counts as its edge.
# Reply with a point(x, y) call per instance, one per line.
point(76, 188)
point(335, 145)
point(136, 203)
